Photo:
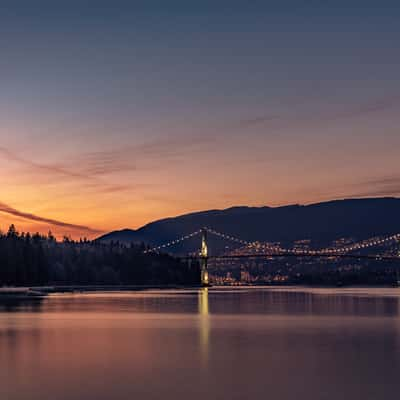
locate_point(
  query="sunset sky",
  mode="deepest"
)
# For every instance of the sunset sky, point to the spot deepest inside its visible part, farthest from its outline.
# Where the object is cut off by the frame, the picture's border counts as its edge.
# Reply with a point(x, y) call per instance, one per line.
point(116, 113)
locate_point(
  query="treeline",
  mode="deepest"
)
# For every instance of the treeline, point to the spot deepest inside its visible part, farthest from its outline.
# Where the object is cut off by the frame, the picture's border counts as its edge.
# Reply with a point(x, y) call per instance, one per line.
point(366, 275)
point(37, 260)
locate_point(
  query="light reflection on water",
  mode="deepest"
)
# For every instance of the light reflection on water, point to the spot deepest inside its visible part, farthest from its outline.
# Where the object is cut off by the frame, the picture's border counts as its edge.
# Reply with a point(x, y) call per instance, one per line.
point(246, 343)
point(204, 325)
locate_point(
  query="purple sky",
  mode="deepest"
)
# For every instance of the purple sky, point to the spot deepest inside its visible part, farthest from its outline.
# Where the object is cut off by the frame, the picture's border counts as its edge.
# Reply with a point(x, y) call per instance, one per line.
point(117, 113)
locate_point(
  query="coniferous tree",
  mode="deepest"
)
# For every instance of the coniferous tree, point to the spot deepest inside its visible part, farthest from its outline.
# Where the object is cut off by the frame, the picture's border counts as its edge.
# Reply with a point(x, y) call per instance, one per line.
point(34, 260)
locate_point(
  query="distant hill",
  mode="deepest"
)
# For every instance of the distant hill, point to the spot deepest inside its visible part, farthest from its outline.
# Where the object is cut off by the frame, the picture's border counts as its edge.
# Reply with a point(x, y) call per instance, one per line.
point(321, 222)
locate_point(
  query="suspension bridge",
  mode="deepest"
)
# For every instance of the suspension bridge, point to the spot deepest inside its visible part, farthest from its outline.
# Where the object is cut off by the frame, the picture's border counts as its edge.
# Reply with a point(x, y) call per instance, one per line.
point(258, 249)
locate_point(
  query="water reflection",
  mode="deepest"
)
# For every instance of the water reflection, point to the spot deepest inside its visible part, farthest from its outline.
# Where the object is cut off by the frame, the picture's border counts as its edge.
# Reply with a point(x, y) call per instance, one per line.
point(204, 325)
point(218, 343)
point(219, 301)
point(302, 301)
point(20, 304)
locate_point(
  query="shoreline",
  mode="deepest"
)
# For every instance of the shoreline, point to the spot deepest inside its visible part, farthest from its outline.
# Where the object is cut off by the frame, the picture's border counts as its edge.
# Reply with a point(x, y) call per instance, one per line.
point(42, 291)
point(37, 291)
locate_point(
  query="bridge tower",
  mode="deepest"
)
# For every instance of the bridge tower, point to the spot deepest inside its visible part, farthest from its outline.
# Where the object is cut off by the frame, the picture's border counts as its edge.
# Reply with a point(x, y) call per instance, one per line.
point(204, 258)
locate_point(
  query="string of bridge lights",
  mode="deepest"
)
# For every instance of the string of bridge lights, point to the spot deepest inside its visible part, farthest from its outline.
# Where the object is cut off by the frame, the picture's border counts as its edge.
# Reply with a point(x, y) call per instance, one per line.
point(246, 243)
point(193, 234)
point(274, 248)
point(172, 242)
point(344, 249)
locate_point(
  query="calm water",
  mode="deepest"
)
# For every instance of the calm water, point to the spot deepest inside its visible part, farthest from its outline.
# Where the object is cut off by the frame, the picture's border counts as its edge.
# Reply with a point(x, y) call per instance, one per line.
point(218, 344)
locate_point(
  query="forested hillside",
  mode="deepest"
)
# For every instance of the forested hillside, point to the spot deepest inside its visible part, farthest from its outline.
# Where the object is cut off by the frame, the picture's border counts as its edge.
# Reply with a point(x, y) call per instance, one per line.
point(32, 260)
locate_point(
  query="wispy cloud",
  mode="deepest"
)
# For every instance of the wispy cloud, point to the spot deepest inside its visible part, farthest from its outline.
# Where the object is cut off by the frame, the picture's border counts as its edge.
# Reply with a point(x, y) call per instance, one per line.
point(4, 208)
point(89, 179)
point(372, 107)
point(136, 158)
point(384, 186)
point(38, 167)
point(93, 169)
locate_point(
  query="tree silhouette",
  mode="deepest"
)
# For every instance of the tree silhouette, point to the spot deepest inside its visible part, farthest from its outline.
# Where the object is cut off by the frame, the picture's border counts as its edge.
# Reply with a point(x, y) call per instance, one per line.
point(29, 260)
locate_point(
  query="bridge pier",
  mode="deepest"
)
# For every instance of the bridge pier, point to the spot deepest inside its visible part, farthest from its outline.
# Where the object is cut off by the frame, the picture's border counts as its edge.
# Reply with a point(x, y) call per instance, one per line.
point(204, 259)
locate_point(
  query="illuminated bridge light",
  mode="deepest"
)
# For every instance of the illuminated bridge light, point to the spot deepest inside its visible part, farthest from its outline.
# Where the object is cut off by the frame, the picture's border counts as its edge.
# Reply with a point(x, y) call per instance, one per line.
point(277, 249)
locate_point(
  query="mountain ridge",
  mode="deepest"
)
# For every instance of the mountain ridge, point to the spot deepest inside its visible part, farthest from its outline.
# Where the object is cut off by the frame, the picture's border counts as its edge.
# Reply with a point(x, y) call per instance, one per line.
point(320, 222)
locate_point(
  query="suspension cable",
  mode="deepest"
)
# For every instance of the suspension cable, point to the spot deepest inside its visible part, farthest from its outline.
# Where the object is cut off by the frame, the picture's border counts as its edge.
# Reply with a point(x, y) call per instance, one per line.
point(276, 248)
point(172, 242)
point(344, 249)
